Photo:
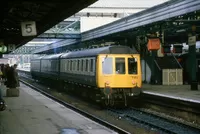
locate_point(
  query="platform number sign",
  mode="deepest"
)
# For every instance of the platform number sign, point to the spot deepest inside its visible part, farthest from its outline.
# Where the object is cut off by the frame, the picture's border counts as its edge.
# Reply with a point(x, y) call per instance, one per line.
point(28, 28)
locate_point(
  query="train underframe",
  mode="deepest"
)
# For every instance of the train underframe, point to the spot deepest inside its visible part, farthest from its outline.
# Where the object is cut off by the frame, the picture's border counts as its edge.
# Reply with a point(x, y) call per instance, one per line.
point(121, 96)
point(103, 96)
point(116, 97)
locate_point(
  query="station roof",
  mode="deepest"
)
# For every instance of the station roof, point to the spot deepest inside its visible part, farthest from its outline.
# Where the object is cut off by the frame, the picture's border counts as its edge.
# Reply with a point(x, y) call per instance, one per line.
point(126, 3)
point(173, 16)
point(45, 13)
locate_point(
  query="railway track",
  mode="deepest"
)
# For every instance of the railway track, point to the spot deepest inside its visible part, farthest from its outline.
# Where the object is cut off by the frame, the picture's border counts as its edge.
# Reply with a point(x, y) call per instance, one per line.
point(154, 121)
point(171, 103)
point(180, 111)
point(144, 117)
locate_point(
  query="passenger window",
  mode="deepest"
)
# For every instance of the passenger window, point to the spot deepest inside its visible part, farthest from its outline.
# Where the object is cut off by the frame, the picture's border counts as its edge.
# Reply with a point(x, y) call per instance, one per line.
point(91, 65)
point(71, 64)
point(81, 65)
point(107, 65)
point(74, 65)
point(132, 65)
point(66, 64)
point(120, 66)
point(86, 65)
point(78, 62)
point(68, 67)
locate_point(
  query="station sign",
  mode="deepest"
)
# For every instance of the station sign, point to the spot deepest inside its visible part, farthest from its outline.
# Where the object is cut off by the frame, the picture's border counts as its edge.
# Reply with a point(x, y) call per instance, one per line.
point(28, 28)
point(3, 48)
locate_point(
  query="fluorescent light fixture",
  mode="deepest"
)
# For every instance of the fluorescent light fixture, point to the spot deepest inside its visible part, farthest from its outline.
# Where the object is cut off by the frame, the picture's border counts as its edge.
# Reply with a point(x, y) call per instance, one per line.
point(40, 42)
point(181, 30)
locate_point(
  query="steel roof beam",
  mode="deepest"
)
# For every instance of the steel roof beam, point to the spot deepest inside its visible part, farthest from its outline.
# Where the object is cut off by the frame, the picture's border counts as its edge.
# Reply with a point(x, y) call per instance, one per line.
point(56, 45)
point(59, 36)
point(165, 11)
point(158, 13)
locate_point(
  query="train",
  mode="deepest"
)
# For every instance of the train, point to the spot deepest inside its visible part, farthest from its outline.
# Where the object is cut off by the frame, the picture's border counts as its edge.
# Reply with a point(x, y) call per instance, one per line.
point(108, 75)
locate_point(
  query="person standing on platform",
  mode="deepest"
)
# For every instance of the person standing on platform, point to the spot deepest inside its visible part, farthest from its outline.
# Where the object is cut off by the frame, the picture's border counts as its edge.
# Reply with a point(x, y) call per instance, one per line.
point(12, 76)
point(16, 76)
point(1, 72)
point(2, 102)
point(5, 72)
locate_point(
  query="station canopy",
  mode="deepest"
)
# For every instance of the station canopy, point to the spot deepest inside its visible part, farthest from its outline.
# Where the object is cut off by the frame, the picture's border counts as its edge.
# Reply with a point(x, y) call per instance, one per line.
point(70, 27)
point(33, 17)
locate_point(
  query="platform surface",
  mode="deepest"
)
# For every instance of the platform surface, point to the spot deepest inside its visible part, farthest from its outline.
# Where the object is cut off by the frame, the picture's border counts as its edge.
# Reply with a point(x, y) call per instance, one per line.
point(33, 113)
point(180, 92)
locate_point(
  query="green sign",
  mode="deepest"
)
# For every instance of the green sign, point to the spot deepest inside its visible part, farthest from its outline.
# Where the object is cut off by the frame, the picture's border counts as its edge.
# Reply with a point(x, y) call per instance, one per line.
point(3, 49)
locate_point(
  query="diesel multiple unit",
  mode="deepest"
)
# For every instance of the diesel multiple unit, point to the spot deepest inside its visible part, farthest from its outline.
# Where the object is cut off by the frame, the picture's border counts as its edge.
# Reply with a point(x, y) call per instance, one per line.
point(107, 74)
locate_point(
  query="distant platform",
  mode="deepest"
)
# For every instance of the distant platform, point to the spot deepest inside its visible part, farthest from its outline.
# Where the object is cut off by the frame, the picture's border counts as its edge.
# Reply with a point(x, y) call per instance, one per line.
point(34, 113)
point(179, 92)
point(24, 69)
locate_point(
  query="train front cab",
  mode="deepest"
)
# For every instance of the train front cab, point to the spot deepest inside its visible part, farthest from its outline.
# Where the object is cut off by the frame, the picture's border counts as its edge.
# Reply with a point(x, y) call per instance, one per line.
point(119, 76)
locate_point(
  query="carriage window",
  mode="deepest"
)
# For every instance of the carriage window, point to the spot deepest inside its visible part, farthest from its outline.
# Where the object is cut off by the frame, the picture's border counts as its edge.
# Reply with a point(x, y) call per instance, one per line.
point(86, 65)
point(74, 65)
point(132, 65)
point(120, 65)
point(78, 65)
point(66, 64)
point(91, 65)
point(107, 65)
point(81, 65)
point(68, 67)
point(71, 63)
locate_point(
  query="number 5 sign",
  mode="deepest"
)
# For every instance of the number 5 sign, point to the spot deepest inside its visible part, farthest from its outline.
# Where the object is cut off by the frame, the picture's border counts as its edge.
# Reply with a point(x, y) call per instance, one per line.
point(28, 28)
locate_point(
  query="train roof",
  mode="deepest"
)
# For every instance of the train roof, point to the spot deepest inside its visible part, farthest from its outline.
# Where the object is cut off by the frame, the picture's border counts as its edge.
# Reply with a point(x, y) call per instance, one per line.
point(37, 58)
point(102, 50)
point(54, 56)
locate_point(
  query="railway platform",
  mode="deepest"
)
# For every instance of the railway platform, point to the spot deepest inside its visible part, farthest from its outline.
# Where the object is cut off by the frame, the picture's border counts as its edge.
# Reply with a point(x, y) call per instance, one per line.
point(34, 113)
point(177, 92)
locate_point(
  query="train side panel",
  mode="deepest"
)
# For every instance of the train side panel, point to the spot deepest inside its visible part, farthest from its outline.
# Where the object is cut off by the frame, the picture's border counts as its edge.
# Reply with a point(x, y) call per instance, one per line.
point(35, 68)
point(79, 70)
point(50, 68)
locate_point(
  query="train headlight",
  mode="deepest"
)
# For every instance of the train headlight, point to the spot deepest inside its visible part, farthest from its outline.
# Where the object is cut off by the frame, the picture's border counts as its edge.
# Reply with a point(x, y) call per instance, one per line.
point(133, 82)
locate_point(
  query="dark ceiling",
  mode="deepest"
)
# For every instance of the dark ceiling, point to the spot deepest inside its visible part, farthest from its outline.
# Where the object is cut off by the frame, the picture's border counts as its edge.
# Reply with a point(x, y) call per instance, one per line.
point(46, 13)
